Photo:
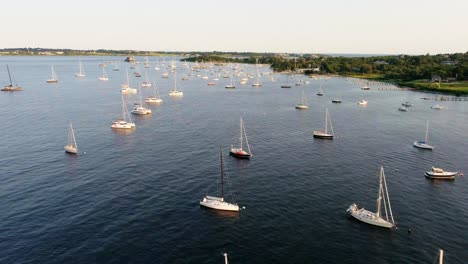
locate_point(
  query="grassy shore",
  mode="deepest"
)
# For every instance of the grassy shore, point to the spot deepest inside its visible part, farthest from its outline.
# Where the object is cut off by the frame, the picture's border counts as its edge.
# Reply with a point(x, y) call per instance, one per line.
point(459, 88)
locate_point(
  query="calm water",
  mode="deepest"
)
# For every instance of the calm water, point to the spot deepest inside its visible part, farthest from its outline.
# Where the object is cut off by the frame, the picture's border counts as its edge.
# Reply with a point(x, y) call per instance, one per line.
point(133, 197)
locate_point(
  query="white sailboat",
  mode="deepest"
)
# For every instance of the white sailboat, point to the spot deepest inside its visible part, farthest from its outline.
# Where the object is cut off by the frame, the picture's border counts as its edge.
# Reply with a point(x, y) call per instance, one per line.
point(230, 85)
point(155, 98)
point(116, 67)
point(372, 218)
point(320, 93)
point(422, 144)
point(11, 87)
point(146, 83)
point(81, 73)
point(240, 152)
point(287, 85)
point(138, 109)
point(257, 83)
point(53, 78)
point(218, 203)
point(123, 123)
point(147, 64)
point(303, 104)
point(104, 76)
point(126, 89)
point(71, 147)
point(325, 134)
point(174, 91)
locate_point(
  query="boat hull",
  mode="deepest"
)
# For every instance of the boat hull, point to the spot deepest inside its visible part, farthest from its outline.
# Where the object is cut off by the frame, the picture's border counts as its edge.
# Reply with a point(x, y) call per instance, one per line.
point(441, 176)
point(422, 145)
point(71, 149)
point(368, 217)
point(219, 204)
point(318, 134)
point(302, 107)
point(285, 86)
point(240, 155)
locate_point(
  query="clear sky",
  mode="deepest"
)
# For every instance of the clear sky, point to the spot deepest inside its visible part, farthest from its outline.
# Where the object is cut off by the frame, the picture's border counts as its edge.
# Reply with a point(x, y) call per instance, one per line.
point(307, 26)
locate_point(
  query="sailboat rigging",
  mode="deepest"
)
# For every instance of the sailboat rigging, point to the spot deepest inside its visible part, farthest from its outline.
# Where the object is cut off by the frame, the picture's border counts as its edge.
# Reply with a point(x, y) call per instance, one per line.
point(218, 203)
point(325, 134)
point(11, 87)
point(53, 78)
point(71, 147)
point(240, 152)
point(372, 218)
point(422, 144)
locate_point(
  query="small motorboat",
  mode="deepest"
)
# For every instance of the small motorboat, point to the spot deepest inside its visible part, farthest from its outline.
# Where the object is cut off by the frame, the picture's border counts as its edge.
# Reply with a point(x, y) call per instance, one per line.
point(438, 173)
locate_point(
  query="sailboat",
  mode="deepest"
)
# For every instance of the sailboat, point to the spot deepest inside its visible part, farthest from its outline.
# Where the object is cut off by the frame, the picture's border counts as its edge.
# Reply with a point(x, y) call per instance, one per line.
point(320, 93)
point(303, 104)
point(126, 89)
point(81, 73)
point(146, 83)
point(104, 76)
point(155, 98)
point(240, 152)
point(372, 218)
point(325, 134)
point(231, 85)
point(71, 147)
point(116, 67)
point(257, 83)
point(337, 100)
point(53, 78)
point(11, 87)
point(147, 64)
point(287, 85)
point(138, 109)
point(174, 91)
point(218, 203)
point(123, 123)
point(422, 144)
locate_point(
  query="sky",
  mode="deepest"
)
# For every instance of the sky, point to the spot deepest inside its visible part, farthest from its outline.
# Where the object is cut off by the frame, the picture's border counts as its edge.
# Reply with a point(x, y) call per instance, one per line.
point(289, 26)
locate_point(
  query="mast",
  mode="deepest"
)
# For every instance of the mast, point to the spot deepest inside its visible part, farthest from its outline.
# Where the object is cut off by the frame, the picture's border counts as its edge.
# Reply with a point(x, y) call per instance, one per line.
point(379, 199)
point(8, 69)
point(175, 81)
point(427, 130)
point(225, 258)
point(326, 120)
point(441, 256)
point(388, 198)
point(241, 125)
point(221, 171)
point(72, 134)
point(123, 108)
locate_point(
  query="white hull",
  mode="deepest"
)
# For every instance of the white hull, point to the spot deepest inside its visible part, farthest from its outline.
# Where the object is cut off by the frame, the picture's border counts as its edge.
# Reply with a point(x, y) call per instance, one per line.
point(218, 204)
point(122, 125)
point(153, 100)
point(302, 107)
point(79, 75)
point(71, 149)
point(175, 93)
point(422, 145)
point(103, 78)
point(128, 90)
point(368, 217)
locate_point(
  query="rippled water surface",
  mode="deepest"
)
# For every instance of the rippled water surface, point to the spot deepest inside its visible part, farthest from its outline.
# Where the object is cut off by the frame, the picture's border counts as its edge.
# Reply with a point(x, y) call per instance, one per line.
point(133, 197)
